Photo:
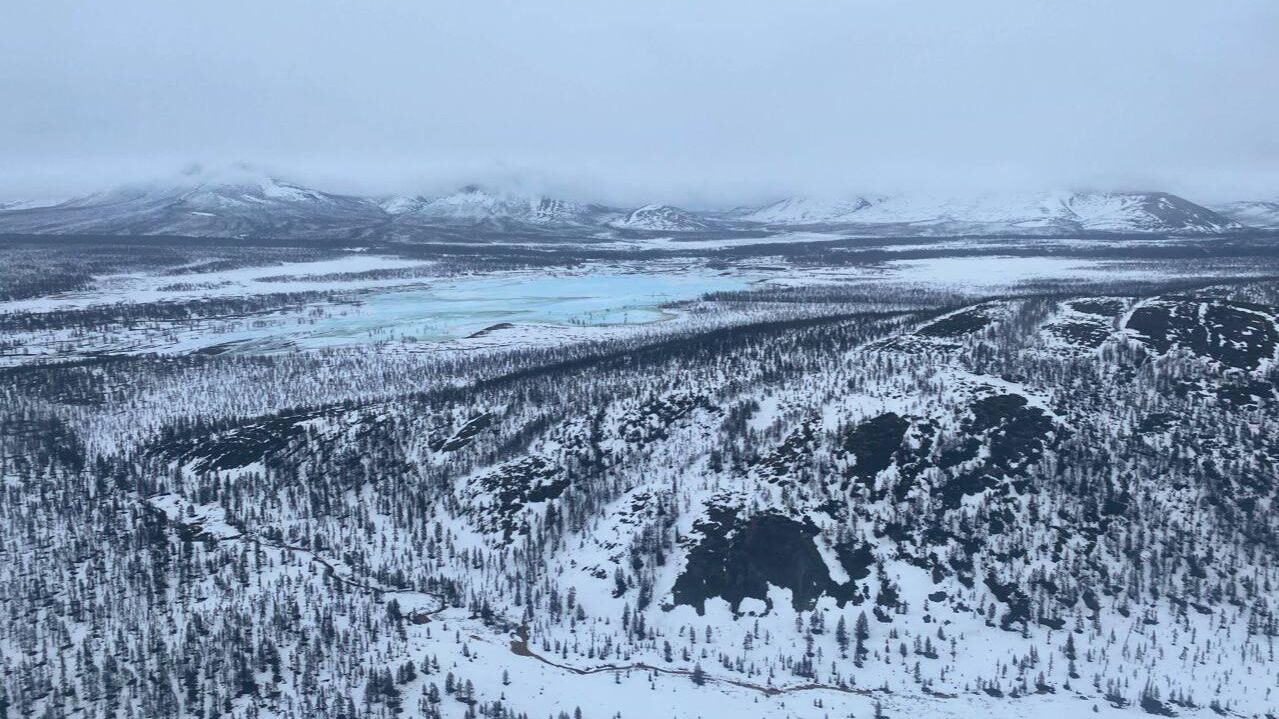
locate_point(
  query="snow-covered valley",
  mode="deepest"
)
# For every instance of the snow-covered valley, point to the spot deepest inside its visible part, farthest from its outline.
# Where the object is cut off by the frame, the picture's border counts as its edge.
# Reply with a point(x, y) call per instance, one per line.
point(832, 479)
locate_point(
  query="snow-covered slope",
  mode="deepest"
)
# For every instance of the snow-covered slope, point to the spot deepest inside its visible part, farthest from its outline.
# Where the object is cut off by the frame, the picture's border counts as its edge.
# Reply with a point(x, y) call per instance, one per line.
point(1144, 212)
point(11, 205)
point(238, 205)
point(1260, 214)
point(854, 498)
point(807, 211)
point(245, 203)
point(1042, 213)
point(401, 204)
point(473, 205)
point(664, 218)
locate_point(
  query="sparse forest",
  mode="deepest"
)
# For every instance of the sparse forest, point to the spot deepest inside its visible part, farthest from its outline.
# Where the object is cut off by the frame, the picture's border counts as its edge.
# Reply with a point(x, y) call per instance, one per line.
point(866, 496)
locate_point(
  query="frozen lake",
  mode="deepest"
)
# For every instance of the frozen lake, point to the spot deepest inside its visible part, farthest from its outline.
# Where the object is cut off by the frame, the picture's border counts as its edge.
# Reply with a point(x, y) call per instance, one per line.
point(366, 311)
point(544, 308)
point(452, 309)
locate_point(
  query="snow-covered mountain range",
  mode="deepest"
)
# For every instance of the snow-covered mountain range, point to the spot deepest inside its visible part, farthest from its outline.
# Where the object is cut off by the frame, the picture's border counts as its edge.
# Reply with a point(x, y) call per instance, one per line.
point(1043, 213)
point(201, 206)
point(473, 205)
point(1258, 213)
point(248, 205)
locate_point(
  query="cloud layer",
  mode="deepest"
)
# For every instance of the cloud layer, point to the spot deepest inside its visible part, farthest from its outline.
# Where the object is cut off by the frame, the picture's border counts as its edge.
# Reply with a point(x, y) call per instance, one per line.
point(706, 102)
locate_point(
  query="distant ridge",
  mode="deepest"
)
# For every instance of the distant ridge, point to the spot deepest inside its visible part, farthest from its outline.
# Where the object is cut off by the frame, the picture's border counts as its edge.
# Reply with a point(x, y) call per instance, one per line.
point(245, 204)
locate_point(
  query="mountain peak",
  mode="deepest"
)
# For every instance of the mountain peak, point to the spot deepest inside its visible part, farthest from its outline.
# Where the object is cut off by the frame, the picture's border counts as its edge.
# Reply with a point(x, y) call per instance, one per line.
point(1262, 214)
point(664, 218)
point(477, 205)
point(1003, 213)
point(242, 200)
point(806, 210)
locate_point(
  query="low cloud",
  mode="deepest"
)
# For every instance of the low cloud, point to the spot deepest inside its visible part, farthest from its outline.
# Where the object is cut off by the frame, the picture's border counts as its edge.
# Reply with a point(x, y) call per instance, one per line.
point(712, 102)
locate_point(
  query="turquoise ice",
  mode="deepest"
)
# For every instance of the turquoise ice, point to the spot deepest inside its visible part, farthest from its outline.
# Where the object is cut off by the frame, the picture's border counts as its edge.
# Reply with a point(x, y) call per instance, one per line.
point(459, 307)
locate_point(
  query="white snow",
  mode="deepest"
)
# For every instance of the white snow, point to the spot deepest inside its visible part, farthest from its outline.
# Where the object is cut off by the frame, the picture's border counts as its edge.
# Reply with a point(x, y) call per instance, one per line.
point(1001, 213)
point(660, 218)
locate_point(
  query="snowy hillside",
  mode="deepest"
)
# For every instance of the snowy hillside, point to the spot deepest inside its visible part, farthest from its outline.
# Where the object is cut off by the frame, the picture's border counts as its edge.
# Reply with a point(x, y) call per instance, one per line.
point(807, 211)
point(1047, 213)
point(1143, 212)
point(264, 482)
point(662, 218)
point(238, 206)
point(1259, 214)
point(473, 205)
point(10, 205)
point(249, 204)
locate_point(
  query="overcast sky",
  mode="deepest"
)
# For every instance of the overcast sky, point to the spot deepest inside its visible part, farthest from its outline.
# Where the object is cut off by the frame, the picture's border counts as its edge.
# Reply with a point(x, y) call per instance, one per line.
point(693, 101)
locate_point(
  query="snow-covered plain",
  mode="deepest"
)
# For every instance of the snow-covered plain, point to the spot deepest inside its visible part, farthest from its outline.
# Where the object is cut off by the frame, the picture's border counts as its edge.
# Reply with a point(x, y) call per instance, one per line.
point(363, 299)
point(359, 310)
